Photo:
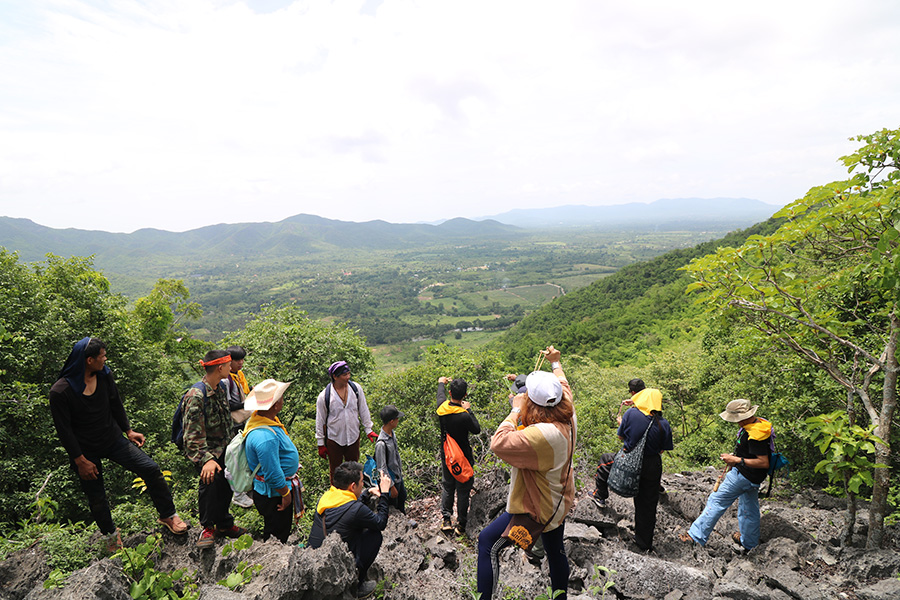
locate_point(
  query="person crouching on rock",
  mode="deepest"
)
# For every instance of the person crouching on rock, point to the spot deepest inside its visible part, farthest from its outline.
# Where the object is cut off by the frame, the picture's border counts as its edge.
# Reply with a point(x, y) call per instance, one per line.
point(541, 482)
point(267, 445)
point(340, 510)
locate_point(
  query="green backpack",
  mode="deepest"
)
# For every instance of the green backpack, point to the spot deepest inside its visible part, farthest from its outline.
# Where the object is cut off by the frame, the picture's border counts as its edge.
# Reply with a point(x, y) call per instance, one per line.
point(237, 469)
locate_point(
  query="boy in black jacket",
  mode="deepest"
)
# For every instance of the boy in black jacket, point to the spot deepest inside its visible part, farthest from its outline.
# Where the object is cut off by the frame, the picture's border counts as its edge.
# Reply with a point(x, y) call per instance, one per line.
point(457, 421)
point(340, 510)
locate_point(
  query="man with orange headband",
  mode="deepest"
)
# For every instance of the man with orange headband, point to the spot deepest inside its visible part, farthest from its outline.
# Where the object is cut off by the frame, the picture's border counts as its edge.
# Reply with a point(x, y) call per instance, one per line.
point(207, 429)
point(644, 417)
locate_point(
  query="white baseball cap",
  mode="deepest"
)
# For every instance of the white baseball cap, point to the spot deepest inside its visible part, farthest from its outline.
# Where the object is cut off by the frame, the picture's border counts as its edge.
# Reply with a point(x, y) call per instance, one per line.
point(543, 388)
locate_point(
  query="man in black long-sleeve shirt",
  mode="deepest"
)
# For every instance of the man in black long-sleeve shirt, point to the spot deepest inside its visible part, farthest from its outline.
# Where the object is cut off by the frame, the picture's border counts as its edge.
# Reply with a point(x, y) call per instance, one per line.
point(90, 419)
point(339, 510)
point(458, 421)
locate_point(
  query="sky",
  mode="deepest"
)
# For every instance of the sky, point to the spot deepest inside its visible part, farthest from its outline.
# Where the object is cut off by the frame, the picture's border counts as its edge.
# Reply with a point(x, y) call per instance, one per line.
point(176, 114)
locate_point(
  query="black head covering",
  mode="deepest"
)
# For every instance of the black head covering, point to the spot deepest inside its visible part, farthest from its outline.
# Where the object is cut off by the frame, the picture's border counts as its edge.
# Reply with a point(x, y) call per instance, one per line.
point(73, 370)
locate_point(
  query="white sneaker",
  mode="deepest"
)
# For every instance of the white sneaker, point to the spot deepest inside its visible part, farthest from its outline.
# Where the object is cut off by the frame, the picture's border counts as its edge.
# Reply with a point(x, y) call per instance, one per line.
point(242, 499)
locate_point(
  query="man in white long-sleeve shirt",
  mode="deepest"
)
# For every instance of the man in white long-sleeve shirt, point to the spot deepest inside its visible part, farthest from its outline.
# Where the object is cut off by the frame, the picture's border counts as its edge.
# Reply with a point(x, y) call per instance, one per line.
point(340, 409)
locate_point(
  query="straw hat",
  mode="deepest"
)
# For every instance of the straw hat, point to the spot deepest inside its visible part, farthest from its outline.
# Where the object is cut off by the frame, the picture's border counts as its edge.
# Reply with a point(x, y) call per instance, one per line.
point(264, 394)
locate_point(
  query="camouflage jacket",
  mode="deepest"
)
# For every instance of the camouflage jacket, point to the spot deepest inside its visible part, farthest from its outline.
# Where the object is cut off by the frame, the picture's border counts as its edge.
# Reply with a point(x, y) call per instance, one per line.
point(206, 438)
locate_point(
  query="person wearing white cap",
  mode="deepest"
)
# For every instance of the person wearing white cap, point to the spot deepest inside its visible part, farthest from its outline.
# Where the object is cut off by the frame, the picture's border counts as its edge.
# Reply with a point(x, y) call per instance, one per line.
point(747, 468)
point(267, 444)
point(541, 484)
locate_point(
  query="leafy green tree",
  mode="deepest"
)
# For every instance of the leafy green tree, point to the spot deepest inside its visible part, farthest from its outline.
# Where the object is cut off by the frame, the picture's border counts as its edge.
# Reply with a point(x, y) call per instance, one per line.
point(158, 314)
point(824, 287)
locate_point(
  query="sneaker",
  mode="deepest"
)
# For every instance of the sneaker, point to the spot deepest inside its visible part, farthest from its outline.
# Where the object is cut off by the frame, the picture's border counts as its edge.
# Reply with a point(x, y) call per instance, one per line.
point(533, 558)
point(459, 531)
point(207, 538)
point(365, 589)
point(232, 532)
point(447, 527)
point(113, 542)
point(599, 502)
point(242, 499)
point(412, 523)
point(736, 538)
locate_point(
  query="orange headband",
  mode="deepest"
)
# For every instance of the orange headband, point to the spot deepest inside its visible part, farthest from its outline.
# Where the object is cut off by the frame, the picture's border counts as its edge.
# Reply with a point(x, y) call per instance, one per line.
point(216, 361)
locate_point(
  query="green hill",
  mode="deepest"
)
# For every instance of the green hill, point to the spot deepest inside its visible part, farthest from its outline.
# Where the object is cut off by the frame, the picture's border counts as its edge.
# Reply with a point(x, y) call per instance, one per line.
point(622, 318)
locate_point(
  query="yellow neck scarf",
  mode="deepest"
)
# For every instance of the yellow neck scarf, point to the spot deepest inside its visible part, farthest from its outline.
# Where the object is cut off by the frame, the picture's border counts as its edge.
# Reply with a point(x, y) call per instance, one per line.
point(648, 399)
point(241, 381)
point(257, 421)
point(449, 409)
point(333, 498)
point(760, 430)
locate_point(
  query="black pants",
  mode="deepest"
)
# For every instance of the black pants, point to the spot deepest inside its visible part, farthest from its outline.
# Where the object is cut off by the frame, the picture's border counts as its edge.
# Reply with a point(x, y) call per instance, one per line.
point(275, 522)
point(645, 501)
point(366, 550)
point(135, 460)
point(601, 489)
point(450, 487)
point(400, 501)
point(215, 499)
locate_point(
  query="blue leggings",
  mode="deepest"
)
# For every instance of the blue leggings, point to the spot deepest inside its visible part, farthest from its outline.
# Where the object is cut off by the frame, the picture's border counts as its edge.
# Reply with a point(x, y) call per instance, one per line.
point(490, 543)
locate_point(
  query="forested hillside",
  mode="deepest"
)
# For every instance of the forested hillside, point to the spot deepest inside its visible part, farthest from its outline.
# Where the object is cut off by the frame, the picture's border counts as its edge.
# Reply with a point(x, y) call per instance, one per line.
point(623, 318)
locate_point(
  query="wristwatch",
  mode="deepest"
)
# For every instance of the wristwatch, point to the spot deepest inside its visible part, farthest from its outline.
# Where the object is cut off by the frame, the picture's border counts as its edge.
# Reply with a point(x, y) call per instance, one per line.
point(743, 464)
point(555, 365)
point(515, 409)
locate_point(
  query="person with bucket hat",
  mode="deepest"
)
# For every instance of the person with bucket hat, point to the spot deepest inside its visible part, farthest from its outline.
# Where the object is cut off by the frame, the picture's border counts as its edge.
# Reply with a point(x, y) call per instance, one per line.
point(747, 467)
point(340, 409)
point(267, 445)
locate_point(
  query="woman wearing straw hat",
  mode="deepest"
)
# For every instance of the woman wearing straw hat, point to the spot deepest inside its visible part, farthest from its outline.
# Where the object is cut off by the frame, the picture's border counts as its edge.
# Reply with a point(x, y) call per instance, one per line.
point(267, 444)
point(541, 481)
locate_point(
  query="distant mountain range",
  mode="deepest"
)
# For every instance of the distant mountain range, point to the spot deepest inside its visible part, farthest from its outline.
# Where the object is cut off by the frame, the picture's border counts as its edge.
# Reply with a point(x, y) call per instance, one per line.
point(302, 234)
point(665, 214)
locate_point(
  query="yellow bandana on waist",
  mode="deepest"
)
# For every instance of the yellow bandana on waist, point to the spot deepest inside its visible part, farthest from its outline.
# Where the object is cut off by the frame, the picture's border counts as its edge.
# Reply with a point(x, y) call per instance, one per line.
point(648, 399)
point(333, 498)
point(257, 421)
point(449, 409)
point(241, 381)
point(759, 431)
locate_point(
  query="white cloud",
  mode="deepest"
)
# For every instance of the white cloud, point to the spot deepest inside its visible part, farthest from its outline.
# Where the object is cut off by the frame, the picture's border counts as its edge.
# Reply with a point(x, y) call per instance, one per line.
point(176, 114)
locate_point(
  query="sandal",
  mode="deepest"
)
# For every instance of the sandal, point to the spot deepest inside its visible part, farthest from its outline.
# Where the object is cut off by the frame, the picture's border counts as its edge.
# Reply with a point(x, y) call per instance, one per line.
point(686, 538)
point(175, 524)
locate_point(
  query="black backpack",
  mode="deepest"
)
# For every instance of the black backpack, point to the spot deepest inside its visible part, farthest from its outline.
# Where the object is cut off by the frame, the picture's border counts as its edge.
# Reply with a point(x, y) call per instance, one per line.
point(178, 417)
point(328, 402)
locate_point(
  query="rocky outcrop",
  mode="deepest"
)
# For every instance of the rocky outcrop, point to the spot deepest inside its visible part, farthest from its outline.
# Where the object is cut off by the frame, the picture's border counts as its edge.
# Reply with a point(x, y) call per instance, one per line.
point(798, 559)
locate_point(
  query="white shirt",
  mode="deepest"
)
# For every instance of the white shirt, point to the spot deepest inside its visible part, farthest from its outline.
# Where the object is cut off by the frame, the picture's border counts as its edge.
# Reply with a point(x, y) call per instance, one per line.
point(343, 417)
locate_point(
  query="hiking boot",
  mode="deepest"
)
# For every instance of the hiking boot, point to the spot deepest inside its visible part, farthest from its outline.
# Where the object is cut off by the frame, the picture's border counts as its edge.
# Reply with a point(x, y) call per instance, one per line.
point(460, 531)
point(207, 538)
point(231, 532)
point(736, 538)
point(113, 541)
point(599, 502)
point(447, 527)
point(365, 589)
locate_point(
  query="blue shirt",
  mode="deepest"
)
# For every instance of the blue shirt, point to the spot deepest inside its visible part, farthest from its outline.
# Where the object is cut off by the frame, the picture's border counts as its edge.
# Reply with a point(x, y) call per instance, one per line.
point(634, 424)
point(273, 450)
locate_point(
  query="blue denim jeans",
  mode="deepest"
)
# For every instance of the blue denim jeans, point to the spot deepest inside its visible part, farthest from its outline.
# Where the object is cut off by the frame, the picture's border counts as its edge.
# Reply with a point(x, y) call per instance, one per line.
point(734, 487)
point(135, 460)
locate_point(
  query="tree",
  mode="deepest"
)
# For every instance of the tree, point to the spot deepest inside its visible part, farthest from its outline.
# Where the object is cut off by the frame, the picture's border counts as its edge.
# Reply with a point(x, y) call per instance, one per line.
point(159, 313)
point(824, 286)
